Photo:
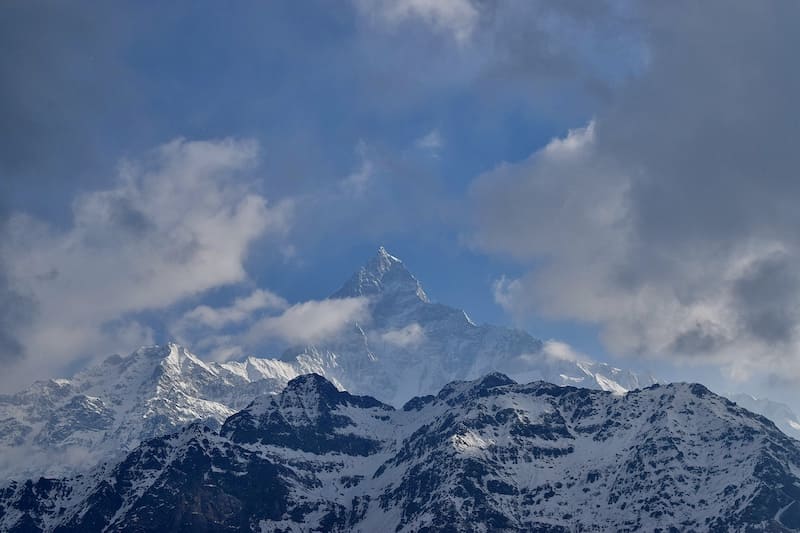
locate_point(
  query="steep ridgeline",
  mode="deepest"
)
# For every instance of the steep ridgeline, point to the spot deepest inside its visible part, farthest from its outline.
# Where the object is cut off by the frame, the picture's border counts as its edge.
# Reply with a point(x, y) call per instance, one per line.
point(485, 455)
point(63, 425)
point(412, 346)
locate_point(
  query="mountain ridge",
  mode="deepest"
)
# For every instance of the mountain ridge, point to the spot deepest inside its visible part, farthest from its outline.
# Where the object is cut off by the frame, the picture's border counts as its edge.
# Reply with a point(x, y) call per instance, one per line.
point(483, 455)
point(412, 348)
point(412, 345)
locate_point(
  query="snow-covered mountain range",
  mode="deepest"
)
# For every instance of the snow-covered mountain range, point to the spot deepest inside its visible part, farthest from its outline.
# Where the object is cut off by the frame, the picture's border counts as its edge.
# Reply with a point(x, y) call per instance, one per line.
point(410, 346)
point(780, 413)
point(62, 425)
point(484, 455)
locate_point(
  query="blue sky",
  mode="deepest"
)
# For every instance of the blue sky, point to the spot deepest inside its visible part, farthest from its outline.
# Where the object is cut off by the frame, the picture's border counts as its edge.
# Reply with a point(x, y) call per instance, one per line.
point(609, 174)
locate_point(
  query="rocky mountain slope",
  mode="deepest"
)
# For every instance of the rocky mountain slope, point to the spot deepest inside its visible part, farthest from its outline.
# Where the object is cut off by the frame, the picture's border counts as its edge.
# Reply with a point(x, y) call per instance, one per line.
point(411, 346)
point(484, 455)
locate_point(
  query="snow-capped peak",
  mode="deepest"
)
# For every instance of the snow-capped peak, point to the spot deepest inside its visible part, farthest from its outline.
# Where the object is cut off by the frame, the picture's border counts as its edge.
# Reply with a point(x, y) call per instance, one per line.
point(412, 346)
point(385, 256)
point(178, 357)
point(311, 389)
point(384, 274)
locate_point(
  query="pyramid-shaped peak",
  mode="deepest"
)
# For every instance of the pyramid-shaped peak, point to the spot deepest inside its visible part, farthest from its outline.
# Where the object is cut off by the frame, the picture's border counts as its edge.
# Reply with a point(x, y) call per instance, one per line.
point(315, 392)
point(383, 274)
point(382, 262)
point(311, 383)
point(385, 260)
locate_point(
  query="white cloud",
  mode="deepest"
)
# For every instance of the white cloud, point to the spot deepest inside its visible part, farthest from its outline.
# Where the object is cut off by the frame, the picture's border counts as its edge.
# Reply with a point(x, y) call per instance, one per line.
point(405, 337)
point(506, 293)
point(608, 234)
point(577, 139)
point(431, 141)
point(240, 310)
point(219, 332)
point(357, 182)
point(561, 351)
point(175, 223)
point(218, 347)
point(568, 207)
point(311, 321)
point(457, 18)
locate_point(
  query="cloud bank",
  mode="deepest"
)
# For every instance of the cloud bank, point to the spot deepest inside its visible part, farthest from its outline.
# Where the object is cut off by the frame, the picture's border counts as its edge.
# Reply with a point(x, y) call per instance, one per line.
point(176, 222)
point(670, 219)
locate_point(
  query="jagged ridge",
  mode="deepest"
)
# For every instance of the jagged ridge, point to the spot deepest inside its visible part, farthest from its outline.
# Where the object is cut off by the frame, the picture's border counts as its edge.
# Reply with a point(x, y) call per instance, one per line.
point(488, 454)
point(411, 347)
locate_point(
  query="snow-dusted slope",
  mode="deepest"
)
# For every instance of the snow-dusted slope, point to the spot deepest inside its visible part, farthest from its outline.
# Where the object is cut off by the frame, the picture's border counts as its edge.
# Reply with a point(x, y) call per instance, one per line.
point(780, 413)
point(412, 346)
point(486, 455)
point(61, 425)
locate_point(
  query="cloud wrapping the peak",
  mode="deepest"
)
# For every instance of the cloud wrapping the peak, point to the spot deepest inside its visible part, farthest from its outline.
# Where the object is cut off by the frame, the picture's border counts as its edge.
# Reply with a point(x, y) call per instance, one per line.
point(561, 351)
point(311, 321)
point(175, 223)
point(405, 337)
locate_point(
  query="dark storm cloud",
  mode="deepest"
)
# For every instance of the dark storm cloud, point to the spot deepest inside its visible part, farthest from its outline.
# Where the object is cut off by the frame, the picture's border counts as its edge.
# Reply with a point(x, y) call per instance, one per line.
point(16, 312)
point(60, 85)
point(769, 297)
point(700, 339)
point(17, 309)
point(591, 44)
point(713, 124)
point(672, 220)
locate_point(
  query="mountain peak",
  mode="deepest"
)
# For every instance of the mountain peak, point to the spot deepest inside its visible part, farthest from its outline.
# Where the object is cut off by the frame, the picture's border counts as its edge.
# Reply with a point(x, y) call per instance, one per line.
point(382, 274)
point(386, 256)
point(313, 387)
point(311, 383)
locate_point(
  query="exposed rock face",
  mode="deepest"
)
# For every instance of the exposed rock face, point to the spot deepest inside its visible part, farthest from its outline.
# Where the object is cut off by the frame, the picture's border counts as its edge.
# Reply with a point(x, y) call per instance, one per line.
point(484, 455)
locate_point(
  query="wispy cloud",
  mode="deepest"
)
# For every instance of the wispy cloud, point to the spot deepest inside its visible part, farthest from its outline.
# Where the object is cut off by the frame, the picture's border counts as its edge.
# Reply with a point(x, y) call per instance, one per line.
point(311, 321)
point(405, 337)
point(241, 310)
point(357, 182)
point(561, 351)
point(431, 141)
point(176, 222)
point(456, 18)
